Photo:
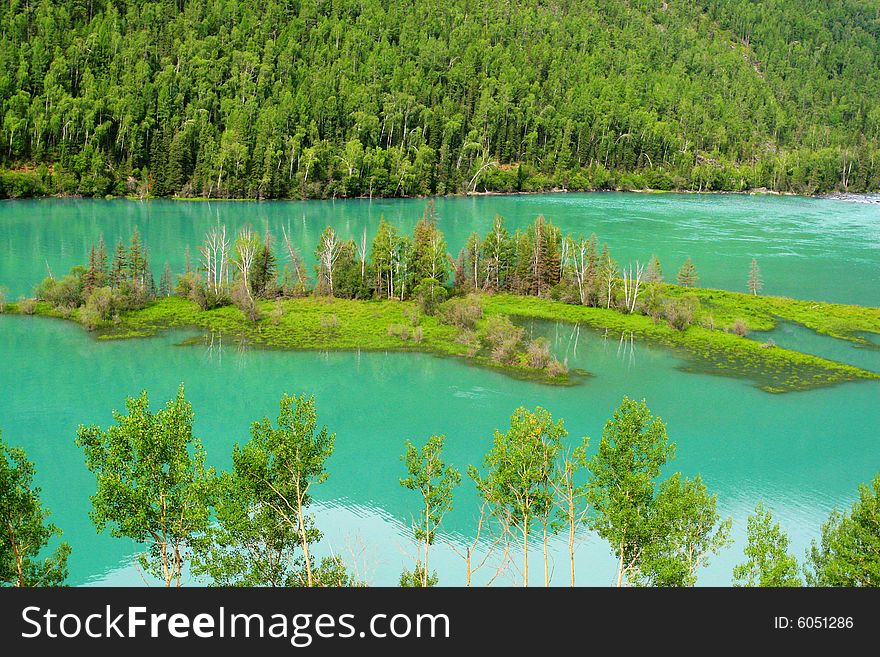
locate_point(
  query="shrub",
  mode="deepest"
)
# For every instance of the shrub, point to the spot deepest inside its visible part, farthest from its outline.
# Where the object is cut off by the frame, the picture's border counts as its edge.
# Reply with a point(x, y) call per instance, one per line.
point(244, 302)
point(329, 322)
point(2, 299)
point(538, 353)
point(429, 294)
point(27, 306)
point(740, 328)
point(469, 339)
point(504, 339)
point(463, 312)
point(680, 313)
point(276, 313)
point(98, 307)
point(556, 369)
point(417, 334)
point(412, 314)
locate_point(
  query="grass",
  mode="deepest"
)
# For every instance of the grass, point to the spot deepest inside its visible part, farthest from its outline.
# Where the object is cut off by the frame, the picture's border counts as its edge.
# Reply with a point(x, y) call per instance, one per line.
point(772, 369)
point(305, 326)
point(308, 324)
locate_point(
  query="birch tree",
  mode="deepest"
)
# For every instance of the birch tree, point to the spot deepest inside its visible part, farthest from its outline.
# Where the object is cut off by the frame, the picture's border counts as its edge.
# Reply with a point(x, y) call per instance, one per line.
point(152, 483)
point(329, 248)
point(429, 475)
point(621, 486)
point(571, 499)
point(24, 532)
point(516, 483)
point(247, 244)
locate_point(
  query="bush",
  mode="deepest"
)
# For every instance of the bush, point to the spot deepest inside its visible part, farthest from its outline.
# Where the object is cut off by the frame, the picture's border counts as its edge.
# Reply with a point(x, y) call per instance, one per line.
point(2, 300)
point(538, 353)
point(329, 322)
point(463, 312)
point(27, 306)
point(64, 293)
point(191, 286)
point(740, 328)
point(680, 313)
point(98, 307)
point(413, 314)
point(418, 334)
point(469, 339)
point(399, 330)
point(504, 339)
point(556, 369)
point(276, 313)
point(429, 294)
point(244, 302)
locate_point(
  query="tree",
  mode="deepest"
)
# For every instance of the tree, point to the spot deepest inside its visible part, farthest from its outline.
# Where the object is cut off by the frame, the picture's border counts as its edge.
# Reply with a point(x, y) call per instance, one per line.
point(261, 536)
point(385, 258)
point(621, 486)
point(429, 249)
point(165, 282)
point(755, 282)
point(497, 250)
point(571, 499)
point(690, 532)
point(655, 270)
point(152, 483)
point(247, 246)
point(282, 463)
point(687, 275)
point(434, 481)
point(24, 532)
point(768, 562)
point(519, 469)
point(848, 553)
point(328, 251)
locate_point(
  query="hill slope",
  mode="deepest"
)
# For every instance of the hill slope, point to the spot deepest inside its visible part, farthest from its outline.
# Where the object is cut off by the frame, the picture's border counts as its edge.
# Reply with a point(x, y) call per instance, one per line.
point(381, 97)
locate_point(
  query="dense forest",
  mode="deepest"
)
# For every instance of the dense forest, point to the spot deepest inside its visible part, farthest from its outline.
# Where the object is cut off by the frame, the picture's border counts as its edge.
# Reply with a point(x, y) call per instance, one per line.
point(336, 98)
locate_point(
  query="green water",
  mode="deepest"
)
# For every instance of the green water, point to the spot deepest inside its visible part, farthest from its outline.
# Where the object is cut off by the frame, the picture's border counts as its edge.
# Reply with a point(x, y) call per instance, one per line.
point(801, 453)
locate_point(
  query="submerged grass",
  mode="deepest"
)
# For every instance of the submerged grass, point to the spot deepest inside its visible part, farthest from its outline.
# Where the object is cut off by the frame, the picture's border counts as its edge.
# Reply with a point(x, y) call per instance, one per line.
point(773, 369)
point(315, 323)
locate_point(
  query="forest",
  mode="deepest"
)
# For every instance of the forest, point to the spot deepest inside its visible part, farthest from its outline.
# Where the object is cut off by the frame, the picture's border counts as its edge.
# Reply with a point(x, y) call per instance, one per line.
point(343, 98)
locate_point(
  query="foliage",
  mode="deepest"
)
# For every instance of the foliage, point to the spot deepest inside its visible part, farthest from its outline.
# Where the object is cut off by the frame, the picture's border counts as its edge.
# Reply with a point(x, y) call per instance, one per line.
point(429, 475)
point(213, 99)
point(263, 532)
point(621, 486)
point(24, 532)
point(519, 471)
point(152, 483)
point(848, 553)
point(768, 562)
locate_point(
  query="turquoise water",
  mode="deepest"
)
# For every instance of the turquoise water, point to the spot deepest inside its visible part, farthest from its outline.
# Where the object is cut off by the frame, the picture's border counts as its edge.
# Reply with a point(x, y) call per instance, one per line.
point(813, 248)
point(801, 453)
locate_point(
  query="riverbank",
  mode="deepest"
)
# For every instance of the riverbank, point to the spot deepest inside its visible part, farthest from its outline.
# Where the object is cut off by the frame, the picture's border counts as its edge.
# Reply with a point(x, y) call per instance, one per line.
point(708, 346)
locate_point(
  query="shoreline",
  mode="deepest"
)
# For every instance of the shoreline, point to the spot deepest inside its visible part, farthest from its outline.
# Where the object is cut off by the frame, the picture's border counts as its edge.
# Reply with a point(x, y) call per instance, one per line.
point(838, 195)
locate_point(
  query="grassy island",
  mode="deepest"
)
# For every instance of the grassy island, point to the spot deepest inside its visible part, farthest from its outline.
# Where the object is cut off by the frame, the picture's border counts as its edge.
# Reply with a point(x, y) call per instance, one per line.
point(407, 293)
point(316, 323)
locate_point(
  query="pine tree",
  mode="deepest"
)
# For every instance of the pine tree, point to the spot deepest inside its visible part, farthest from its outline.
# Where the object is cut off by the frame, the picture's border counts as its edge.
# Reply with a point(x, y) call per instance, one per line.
point(165, 281)
point(687, 275)
point(655, 271)
point(119, 273)
point(755, 282)
point(136, 261)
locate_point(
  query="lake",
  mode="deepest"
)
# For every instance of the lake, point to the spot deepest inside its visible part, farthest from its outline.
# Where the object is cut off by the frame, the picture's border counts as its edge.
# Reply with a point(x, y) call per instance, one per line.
point(801, 453)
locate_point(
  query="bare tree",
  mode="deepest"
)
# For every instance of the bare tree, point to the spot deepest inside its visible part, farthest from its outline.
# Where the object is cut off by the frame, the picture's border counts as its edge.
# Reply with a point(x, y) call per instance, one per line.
point(246, 247)
point(631, 285)
point(215, 257)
